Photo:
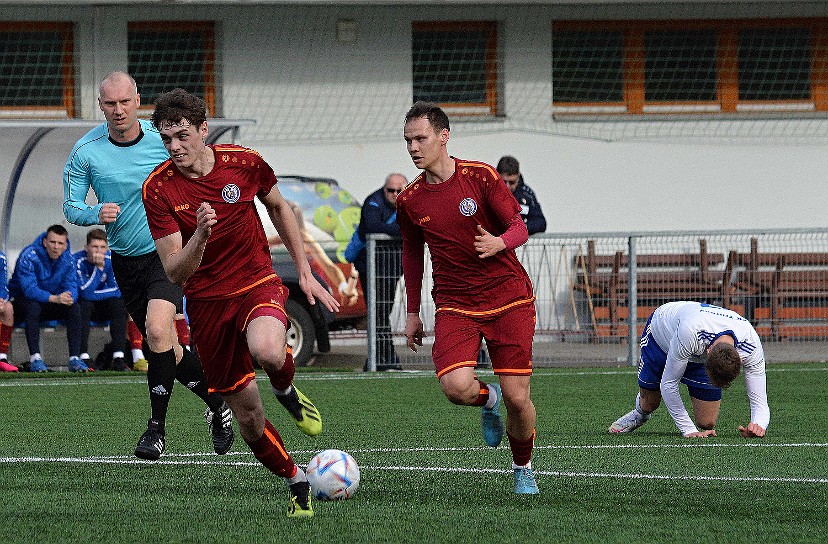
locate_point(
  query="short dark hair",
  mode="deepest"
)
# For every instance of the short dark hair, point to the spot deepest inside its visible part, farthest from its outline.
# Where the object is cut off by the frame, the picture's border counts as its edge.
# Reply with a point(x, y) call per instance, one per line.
point(60, 230)
point(176, 105)
point(723, 364)
point(437, 118)
point(95, 234)
point(508, 165)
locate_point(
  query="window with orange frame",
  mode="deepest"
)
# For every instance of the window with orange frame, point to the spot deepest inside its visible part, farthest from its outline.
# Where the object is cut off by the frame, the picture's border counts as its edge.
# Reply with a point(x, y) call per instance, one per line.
point(695, 67)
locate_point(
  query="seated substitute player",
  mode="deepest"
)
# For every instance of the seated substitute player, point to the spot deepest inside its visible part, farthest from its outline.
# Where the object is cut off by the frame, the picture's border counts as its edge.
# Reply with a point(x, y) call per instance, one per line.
point(100, 298)
point(702, 346)
point(6, 317)
point(208, 233)
point(43, 287)
point(471, 222)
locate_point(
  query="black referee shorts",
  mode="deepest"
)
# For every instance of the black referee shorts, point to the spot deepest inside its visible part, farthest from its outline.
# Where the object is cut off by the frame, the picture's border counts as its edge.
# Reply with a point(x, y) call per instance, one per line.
point(142, 279)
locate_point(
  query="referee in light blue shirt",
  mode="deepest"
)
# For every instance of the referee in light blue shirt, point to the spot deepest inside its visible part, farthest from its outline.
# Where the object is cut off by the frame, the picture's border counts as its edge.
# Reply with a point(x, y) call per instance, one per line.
point(115, 159)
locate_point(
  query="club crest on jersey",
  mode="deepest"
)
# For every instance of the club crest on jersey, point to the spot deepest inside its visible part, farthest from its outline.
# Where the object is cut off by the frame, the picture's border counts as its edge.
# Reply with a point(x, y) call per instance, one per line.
point(231, 193)
point(468, 207)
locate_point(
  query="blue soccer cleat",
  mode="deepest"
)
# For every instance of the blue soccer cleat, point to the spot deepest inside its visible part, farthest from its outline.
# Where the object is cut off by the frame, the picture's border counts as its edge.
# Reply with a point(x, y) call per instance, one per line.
point(38, 366)
point(491, 421)
point(76, 364)
point(525, 482)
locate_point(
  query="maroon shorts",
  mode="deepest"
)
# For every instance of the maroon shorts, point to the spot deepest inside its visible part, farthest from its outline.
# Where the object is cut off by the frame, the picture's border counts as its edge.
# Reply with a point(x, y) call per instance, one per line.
point(219, 327)
point(508, 337)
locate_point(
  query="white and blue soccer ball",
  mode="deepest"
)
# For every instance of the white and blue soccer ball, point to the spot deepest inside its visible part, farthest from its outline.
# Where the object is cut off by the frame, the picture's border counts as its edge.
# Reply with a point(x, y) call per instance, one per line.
point(333, 475)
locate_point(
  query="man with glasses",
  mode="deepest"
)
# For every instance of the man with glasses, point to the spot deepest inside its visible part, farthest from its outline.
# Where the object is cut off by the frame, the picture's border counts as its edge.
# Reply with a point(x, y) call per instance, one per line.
point(530, 210)
point(379, 215)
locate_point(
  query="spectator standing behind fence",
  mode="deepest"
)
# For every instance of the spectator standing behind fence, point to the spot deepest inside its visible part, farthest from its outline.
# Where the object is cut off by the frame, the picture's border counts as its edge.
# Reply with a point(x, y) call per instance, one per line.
point(100, 298)
point(6, 317)
point(44, 287)
point(702, 346)
point(530, 209)
point(379, 216)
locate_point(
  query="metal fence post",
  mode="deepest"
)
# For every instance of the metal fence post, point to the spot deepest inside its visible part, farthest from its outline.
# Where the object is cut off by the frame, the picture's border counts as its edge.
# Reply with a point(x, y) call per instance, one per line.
point(371, 301)
point(632, 304)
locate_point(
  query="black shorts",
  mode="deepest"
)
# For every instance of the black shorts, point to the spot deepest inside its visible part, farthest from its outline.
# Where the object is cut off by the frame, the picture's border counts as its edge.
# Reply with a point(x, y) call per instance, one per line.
point(142, 279)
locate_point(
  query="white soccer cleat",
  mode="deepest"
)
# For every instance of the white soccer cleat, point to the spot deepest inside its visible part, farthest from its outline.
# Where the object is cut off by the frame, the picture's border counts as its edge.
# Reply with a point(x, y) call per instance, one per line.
point(629, 422)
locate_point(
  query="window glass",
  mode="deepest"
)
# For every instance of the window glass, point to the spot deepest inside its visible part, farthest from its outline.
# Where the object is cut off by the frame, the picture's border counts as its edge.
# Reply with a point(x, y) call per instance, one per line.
point(162, 57)
point(455, 64)
point(680, 65)
point(36, 68)
point(774, 64)
point(587, 66)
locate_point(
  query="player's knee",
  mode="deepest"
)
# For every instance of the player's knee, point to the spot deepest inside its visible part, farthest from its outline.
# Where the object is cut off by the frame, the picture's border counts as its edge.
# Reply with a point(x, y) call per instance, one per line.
point(159, 336)
point(649, 402)
point(455, 395)
point(272, 359)
point(517, 401)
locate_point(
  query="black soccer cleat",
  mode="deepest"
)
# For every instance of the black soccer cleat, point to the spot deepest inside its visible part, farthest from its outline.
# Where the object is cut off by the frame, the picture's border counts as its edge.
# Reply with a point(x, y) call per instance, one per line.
point(152, 443)
point(119, 365)
point(300, 501)
point(221, 427)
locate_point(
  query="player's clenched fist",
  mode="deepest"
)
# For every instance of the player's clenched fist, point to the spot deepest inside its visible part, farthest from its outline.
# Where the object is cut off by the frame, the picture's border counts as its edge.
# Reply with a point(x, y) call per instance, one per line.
point(205, 219)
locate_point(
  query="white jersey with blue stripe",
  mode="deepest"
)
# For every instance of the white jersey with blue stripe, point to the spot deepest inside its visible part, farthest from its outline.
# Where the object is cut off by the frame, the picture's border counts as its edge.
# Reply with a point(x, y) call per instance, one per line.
point(684, 330)
point(116, 173)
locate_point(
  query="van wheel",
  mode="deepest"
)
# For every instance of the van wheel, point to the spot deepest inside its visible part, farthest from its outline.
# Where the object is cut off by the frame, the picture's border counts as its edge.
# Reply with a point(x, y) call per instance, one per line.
point(301, 335)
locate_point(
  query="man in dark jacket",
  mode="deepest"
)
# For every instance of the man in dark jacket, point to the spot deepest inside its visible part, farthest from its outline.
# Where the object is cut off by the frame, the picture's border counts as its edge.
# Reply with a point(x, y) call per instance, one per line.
point(44, 286)
point(379, 215)
point(530, 210)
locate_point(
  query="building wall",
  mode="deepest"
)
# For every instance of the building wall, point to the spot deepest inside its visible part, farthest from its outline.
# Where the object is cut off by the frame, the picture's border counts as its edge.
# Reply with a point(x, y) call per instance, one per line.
point(328, 109)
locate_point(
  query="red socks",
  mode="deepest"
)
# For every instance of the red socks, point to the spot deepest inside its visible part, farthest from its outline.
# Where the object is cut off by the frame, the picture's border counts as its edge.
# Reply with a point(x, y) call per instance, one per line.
point(284, 378)
point(136, 339)
point(521, 449)
point(183, 331)
point(271, 452)
point(483, 395)
point(5, 337)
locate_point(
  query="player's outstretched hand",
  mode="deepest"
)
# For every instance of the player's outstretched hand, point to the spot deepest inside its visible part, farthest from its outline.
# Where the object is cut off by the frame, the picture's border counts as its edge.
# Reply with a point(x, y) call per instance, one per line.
point(413, 331)
point(701, 434)
point(752, 431)
point(315, 291)
point(486, 244)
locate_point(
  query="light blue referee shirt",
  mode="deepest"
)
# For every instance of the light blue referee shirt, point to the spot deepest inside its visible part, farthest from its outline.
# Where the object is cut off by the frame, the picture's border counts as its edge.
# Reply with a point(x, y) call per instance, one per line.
point(116, 172)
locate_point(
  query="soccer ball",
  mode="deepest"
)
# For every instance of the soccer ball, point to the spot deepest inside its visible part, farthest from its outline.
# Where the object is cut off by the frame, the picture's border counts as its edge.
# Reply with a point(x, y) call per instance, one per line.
point(333, 475)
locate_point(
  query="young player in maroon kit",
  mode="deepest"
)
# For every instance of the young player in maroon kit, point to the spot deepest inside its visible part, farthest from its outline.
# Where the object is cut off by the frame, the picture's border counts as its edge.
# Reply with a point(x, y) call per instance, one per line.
point(471, 222)
point(208, 233)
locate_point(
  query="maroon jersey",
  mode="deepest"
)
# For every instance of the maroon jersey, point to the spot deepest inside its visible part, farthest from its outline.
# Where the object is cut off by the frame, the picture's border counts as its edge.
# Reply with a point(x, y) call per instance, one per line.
point(236, 257)
point(445, 216)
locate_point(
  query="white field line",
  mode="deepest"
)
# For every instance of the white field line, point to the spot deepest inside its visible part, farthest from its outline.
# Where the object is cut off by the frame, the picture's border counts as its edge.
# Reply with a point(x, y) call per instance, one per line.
point(310, 377)
point(414, 468)
point(201, 459)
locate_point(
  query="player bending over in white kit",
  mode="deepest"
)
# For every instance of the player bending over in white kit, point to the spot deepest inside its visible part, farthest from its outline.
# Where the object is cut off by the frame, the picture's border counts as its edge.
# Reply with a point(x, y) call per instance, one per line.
point(703, 347)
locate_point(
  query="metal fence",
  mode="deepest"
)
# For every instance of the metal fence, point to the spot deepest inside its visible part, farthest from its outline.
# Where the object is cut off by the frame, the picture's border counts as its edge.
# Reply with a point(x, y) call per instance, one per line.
point(595, 290)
